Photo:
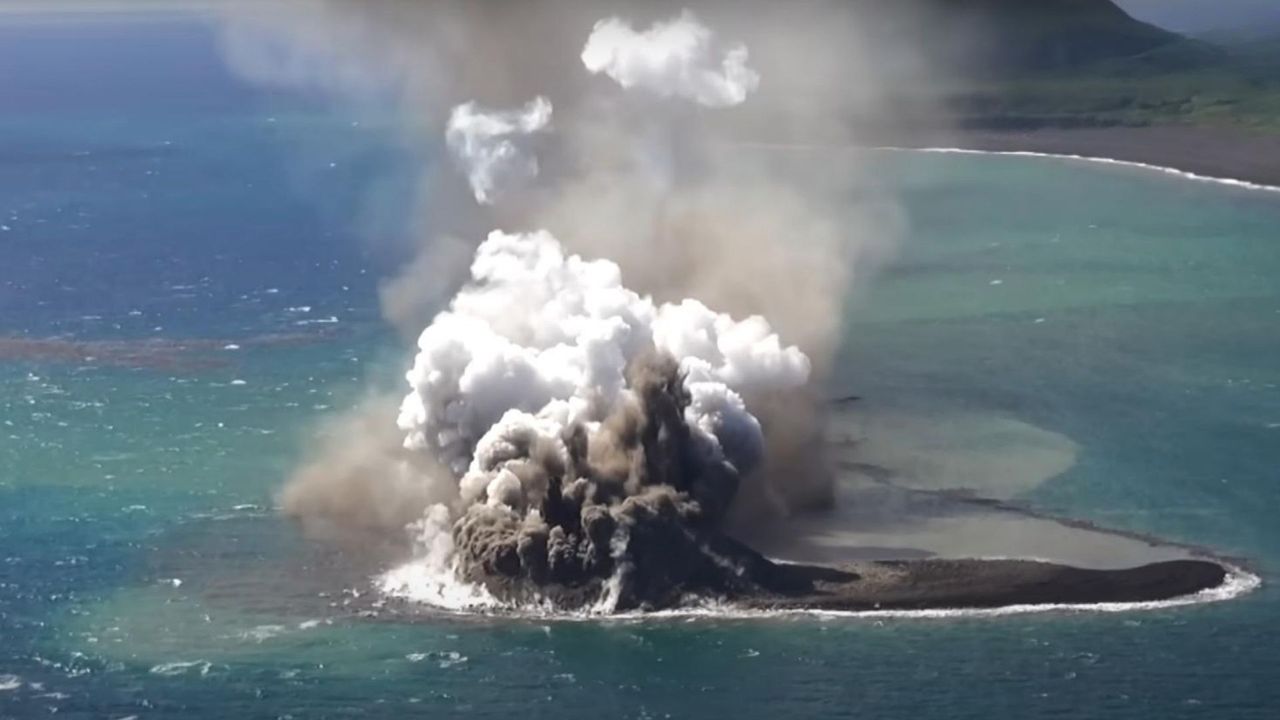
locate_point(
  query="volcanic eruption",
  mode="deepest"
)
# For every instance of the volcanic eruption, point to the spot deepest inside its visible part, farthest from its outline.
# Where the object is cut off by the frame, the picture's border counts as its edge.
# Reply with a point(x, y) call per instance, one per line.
point(595, 435)
point(597, 438)
point(629, 378)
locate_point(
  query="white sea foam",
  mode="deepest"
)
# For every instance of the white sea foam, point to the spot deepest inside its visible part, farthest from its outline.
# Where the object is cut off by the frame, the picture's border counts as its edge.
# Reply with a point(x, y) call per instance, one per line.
point(1184, 174)
point(446, 659)
point(181, 668)
point(450, 658)
point(10, 682)
point(331, 320)
point(262, 633)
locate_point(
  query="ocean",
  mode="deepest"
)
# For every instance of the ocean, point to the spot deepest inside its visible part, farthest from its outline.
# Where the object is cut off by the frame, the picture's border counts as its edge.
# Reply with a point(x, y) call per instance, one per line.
point(202, 258)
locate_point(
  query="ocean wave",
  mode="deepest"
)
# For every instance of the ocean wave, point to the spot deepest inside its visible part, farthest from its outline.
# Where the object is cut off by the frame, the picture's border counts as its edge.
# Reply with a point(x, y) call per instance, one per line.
point(182, 668)
point(445, 659)
point(1184, 174)
point(10, 682)
point(262, 633)
point(331, 320)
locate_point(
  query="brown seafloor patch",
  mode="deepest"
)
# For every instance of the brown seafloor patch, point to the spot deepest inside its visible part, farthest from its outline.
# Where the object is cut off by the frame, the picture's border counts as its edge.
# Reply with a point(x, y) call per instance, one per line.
point(164, 354)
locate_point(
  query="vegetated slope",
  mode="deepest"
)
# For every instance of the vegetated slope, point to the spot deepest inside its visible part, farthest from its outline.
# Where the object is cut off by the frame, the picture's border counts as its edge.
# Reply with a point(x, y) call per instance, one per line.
point(1086, 63)
point(1024, 36)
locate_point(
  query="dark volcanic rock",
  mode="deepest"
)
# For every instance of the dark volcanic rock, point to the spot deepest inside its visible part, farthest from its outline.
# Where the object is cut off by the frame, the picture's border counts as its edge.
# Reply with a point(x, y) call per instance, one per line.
point(935, 584)
point(682, 567)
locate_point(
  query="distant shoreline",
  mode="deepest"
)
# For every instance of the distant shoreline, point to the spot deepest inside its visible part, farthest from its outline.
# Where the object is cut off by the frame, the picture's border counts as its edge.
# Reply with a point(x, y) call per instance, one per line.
point(1184, 174)
point(1230, 156)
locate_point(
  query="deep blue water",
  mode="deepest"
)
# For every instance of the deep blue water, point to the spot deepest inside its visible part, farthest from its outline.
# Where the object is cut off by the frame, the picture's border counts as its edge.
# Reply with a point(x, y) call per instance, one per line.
point(147, 193)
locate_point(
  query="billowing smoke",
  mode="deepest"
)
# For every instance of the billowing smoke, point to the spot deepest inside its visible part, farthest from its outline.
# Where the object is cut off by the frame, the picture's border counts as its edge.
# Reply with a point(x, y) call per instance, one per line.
point(486, 145)
point(543, 333)
point(672, 196)
point(602, 403)
point(359, 480)
point(572, 429)
point(673, 58)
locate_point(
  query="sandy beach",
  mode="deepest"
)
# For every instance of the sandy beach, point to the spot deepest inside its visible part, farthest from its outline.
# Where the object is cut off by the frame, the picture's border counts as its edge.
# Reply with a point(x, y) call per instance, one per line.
point(1229, 153)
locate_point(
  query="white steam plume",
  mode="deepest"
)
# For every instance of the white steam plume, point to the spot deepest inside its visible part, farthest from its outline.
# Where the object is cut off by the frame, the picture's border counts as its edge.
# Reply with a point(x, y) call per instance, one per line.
point(527, 406)
point(485, 145)
point(540, 341)
point(672, 58)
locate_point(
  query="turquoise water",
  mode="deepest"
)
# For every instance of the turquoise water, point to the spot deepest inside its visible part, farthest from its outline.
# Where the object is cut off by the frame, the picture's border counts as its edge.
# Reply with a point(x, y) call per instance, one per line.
point(142, 571)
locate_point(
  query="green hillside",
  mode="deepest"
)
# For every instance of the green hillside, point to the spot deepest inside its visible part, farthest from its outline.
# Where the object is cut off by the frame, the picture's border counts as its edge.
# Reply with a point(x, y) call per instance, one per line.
point(1086, 63)
point(1026, 36)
